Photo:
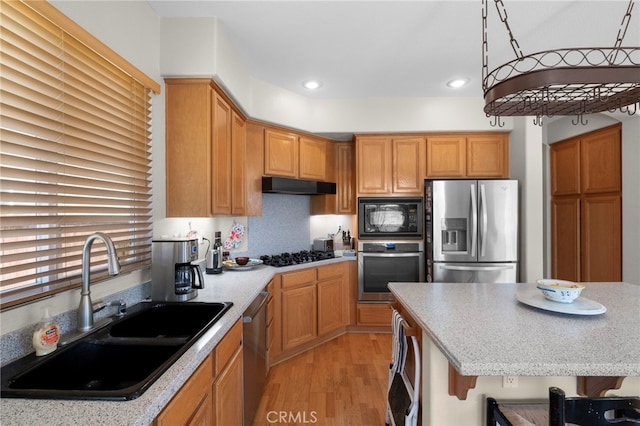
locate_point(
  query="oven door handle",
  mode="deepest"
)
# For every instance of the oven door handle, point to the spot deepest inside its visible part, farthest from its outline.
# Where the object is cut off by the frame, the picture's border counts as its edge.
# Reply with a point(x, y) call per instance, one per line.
point(378, 254)
point(476, 268)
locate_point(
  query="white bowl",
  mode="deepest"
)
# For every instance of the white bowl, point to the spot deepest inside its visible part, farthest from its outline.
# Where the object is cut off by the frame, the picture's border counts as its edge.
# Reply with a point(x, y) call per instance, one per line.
point(560, 290)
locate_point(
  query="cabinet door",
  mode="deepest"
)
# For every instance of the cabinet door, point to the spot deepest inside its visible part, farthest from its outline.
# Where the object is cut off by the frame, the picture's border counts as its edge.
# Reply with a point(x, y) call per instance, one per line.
point(332, 312)
point(313, 159)
point(601, 162)
point(203, 415)
point(601, 238)
point(345, 167)
point(221, 158)
point(343, 202)
point(409, 165)
point(565, 167)
point(280, 154)
point(228, 393)
point(488, 156)
point(193, 401)
point(238, 165)
point(299, 316)
point(565, 238)
point(374, 162)
point(446, 156)
point(188, 148)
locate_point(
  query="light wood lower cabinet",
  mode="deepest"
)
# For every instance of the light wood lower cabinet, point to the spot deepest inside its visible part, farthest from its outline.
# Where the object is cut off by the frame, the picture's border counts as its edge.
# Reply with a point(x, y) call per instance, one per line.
point(374, 314)
point(192, 405)
point(227, 394)
point(299, 308)
point(213, 394)
point(310, 307)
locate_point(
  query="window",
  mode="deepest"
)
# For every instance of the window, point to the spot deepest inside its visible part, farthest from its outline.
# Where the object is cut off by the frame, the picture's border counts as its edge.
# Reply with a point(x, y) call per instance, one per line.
point(74, 154)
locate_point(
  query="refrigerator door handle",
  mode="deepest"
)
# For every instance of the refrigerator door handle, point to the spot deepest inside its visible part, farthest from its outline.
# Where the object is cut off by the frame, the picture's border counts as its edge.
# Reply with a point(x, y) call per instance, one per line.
point(476, 268)
point(474, 221)
point(483, 220)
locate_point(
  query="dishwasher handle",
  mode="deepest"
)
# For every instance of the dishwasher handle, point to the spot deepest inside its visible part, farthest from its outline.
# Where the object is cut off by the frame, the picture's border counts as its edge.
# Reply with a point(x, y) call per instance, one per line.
point(249, 318)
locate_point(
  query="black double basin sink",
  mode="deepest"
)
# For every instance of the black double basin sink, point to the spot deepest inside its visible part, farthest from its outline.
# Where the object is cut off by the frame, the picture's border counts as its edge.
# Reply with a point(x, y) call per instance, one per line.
point(118, 361)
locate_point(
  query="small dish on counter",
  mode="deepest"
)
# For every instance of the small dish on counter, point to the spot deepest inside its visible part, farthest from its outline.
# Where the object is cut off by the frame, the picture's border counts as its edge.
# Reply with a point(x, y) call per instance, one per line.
point(233, 266)
point(560, 291)
point(530, 295)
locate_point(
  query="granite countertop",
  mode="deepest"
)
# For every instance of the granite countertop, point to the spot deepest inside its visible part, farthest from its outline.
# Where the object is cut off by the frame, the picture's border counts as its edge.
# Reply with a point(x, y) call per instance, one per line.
point(239, 287)
point(483, 330)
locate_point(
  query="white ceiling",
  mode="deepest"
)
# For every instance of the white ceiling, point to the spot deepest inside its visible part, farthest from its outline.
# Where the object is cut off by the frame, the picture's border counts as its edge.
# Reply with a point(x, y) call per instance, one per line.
point(382, 49)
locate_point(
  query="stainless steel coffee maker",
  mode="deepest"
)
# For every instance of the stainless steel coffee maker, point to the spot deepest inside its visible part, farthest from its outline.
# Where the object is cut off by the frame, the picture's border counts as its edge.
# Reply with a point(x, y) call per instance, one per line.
point(174, 278)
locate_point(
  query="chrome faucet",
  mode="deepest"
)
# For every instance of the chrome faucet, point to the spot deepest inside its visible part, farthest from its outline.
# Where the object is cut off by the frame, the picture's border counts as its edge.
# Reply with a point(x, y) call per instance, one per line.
point(85, 310)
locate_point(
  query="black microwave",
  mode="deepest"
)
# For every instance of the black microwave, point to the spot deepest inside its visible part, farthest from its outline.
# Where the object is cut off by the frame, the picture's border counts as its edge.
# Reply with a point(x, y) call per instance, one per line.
point(390, 218)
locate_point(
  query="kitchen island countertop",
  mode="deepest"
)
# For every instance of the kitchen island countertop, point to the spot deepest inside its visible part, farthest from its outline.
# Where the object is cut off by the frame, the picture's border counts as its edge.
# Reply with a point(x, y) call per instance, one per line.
point(239, 287)
point(483, 330)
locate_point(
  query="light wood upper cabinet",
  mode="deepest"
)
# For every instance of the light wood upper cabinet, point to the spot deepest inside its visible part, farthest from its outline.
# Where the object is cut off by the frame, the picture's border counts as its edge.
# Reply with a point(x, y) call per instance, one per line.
point(221, 156)
point(313, 159)
point(239, 176)
point(408, 170)
point(468, 155)
point(343, 202)
point(374, 163)
point(488, 156)
point(446, 156)
point(388, 165)
point(188, 147)
point(293, 155)
point(205, 151)
point(280, 154)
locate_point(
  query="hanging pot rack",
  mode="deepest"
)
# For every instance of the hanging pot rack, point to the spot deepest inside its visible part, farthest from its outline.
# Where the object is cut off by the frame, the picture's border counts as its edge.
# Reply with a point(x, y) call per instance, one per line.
point(571, 81)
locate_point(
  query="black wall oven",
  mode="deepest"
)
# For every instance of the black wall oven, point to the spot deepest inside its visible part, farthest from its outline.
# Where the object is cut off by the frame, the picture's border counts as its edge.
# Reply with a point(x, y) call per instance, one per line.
point(382, 262)
point(390, 218)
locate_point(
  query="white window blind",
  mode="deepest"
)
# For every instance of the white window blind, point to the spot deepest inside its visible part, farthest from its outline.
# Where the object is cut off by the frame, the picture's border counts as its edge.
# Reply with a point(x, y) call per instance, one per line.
point(74, 158)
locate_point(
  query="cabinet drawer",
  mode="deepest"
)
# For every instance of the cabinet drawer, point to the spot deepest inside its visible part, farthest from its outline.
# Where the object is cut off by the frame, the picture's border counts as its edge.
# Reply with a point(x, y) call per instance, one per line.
point(298, 278)
point(228, 346)
point(374, 314)
point(184, 404)
point(330, 271)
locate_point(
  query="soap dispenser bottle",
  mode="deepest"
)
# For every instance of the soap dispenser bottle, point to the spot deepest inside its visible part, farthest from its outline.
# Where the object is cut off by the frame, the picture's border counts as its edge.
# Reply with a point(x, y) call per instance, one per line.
point(46, 335)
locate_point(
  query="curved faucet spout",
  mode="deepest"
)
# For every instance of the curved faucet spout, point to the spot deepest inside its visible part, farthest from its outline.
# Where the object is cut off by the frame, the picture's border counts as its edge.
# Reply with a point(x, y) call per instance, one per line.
point(85, 310)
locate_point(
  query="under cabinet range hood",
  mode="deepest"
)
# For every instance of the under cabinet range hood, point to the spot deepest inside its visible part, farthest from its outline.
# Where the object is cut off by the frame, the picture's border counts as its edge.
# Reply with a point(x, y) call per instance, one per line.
point(280, 185)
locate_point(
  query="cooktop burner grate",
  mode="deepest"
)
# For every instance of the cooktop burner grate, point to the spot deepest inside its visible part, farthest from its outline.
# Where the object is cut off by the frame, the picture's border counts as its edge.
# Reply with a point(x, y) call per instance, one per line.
point(288, 259)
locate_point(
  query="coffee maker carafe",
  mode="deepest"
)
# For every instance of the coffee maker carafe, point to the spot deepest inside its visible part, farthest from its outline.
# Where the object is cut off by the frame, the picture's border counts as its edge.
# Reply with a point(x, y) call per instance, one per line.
point(174, 278)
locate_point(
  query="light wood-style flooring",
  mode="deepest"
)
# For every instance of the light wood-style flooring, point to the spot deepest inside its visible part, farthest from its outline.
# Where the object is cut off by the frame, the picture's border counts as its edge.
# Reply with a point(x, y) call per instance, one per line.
point(341, 382)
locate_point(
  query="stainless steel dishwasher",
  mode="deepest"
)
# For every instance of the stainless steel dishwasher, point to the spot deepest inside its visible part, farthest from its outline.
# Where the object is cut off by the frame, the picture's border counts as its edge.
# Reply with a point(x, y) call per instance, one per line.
point(254, 337)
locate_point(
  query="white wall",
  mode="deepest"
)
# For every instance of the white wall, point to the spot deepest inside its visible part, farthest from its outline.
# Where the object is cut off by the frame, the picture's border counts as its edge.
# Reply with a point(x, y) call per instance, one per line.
point(527, 165)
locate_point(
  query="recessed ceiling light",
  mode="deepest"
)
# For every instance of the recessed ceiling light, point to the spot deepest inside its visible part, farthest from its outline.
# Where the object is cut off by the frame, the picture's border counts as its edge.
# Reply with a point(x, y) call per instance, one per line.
point(457, 83)
point(311, 84)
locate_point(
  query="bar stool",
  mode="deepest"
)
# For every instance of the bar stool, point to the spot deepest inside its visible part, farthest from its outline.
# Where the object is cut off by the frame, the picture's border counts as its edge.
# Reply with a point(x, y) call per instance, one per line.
point(559, 410)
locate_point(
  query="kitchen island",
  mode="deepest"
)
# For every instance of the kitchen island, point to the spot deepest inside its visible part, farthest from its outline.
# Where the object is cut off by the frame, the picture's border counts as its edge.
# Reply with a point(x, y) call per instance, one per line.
point(475, 334)
point(240, 288)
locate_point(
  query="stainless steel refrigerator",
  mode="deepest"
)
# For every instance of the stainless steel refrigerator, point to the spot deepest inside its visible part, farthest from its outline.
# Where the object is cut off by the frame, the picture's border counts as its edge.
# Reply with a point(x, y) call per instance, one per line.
point(471, 230)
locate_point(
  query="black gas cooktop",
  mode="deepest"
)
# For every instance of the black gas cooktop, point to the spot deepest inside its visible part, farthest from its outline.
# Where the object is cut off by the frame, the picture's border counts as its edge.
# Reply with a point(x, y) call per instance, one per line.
point(287, 259)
